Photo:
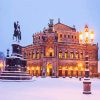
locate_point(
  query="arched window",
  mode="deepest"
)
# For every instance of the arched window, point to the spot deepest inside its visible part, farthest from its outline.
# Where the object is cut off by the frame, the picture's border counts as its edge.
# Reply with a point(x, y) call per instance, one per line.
point(49, 52)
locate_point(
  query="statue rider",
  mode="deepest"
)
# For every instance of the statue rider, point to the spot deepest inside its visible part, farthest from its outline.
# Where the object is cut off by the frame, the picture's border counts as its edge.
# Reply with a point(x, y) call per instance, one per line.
point(17, 32)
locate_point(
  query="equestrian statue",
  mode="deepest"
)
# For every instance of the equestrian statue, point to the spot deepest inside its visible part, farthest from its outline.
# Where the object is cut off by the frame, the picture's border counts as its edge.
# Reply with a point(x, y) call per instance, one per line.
point(17, 32)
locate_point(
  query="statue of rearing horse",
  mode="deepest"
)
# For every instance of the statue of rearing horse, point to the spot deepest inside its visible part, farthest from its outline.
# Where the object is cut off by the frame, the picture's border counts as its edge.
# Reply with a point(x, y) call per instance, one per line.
point(17, 32)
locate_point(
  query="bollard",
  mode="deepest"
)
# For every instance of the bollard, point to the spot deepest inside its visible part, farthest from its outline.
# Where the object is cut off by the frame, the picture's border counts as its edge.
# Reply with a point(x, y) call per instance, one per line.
point(87, 83)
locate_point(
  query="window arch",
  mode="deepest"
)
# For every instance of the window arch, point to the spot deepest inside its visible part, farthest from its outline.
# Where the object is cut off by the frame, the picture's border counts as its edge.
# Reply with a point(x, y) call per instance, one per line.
point(49, 52)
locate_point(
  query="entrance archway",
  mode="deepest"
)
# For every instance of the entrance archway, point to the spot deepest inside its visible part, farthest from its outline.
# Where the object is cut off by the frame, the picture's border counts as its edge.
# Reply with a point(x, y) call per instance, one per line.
point(49, 69)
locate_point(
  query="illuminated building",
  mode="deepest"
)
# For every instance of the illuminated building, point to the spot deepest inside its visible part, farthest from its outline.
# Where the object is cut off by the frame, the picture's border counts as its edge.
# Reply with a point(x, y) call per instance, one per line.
point(60, 50)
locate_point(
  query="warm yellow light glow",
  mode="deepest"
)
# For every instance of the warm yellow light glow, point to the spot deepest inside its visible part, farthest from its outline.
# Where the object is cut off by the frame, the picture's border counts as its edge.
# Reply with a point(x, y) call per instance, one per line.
point(32, 68)
point(81, 69)
point(87, 36)
point(80, 64)
point(47, 70)
point(1, 65)
point(37, 68)
point(92, 35)
point(60, 54)
point(63, 68)
point(70, 68)
point(49, 52)
point(80, 37)
point(28, 68)
point(71, 55)
point(76, 68)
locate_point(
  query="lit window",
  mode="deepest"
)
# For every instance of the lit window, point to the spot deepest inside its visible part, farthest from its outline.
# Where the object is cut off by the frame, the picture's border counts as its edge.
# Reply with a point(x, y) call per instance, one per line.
point(81, 55)
point(42, 54)
point(37, 55)
point(49, 52)
point(60, 35)
point(33, 55)
point(66, 55)
point(71, 55)
point(60, 54)
point(76, 55)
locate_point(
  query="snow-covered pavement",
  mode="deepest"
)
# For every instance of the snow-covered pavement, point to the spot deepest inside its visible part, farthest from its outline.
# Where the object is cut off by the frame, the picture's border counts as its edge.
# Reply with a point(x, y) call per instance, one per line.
point(48, 89)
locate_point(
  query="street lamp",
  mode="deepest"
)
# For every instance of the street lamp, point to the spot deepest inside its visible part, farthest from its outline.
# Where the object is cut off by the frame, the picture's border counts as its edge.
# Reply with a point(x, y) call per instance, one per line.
point(87, 82)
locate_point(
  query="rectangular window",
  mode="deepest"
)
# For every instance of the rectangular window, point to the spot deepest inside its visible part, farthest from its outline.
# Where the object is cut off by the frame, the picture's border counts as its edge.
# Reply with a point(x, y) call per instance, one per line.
point(37, 55)
point(72, 55)
point(76, 55)
point(66, 55)
point(33, 55)
point(60, 35)
point(81, 56)
point(42, 54)
point(60, 54)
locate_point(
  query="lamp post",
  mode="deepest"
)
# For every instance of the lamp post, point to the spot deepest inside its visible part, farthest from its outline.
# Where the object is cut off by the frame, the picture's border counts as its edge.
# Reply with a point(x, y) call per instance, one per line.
point(87, 81)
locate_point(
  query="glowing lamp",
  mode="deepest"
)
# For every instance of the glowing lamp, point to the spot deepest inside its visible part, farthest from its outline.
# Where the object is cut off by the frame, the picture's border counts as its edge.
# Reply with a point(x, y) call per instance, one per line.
point(1, 64)
point(92, 36)
point(47, 70)
point(28, 68)
point(80, 37)
point(32, 68)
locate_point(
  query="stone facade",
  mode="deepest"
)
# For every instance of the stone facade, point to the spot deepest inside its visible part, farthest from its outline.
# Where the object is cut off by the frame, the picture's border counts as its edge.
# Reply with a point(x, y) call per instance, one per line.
point(57, 51)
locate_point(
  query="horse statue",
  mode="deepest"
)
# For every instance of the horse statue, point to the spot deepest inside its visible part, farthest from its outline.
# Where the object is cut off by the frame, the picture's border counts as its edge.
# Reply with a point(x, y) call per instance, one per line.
point(17, 32)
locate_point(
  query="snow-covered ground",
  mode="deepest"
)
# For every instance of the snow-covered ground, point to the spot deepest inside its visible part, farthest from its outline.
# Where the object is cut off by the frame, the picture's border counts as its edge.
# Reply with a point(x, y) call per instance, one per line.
point(48, 89)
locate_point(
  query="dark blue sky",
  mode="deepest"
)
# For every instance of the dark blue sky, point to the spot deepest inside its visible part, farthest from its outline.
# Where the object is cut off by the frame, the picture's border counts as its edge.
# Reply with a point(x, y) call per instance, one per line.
point(33, 15)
